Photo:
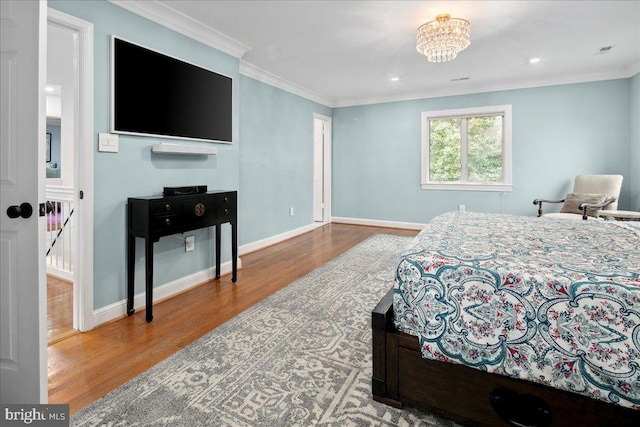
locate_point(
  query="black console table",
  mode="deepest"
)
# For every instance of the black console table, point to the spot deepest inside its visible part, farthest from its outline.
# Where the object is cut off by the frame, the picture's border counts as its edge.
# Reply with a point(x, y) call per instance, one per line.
point(154, 217)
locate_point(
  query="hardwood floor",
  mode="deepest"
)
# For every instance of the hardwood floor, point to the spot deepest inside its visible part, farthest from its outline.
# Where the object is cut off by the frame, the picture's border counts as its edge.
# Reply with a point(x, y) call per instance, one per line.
point(59, 309)
point(86, 366)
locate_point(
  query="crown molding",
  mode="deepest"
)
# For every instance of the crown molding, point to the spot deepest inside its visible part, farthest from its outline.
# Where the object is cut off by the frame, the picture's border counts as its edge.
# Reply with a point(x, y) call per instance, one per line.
point(634, 68)
point(170, 18)
point(469, 90)
point(263, 76)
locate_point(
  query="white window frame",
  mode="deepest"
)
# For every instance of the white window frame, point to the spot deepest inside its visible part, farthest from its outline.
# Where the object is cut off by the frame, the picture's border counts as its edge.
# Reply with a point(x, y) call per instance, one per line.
point(505, 185)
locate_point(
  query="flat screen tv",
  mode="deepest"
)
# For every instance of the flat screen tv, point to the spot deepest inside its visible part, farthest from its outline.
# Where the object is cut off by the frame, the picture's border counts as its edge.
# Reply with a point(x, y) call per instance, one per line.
point(153, 94)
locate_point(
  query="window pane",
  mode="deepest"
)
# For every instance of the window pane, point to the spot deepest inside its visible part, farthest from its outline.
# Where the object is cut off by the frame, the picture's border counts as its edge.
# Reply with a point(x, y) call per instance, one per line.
point(444, 150)
point(484, 149)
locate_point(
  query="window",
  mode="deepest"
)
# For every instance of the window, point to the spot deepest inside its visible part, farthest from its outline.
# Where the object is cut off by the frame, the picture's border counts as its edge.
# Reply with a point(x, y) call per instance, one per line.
point(468, 149)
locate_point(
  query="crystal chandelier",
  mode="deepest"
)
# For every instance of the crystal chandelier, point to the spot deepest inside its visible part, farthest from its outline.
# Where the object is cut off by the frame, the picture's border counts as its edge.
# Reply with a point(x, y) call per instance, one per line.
point(442, 39)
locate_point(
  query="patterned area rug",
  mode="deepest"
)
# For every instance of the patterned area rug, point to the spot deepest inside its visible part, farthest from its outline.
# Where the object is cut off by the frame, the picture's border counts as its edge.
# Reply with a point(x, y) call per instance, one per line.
point(301, 357)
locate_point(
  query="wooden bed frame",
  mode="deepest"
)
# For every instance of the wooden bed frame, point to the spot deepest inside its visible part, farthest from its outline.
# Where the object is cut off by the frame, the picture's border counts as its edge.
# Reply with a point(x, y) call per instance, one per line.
point(470, 396)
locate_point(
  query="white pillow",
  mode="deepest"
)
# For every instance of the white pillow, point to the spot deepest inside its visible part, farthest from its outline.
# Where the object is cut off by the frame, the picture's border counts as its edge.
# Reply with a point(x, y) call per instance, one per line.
point(574, 200)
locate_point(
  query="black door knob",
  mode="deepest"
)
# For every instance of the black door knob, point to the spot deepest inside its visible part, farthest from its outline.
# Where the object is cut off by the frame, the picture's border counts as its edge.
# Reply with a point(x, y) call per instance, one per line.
point(24, 210)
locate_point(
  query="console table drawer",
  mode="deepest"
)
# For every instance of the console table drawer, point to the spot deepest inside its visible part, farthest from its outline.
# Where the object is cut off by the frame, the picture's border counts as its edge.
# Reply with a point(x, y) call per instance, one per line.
point(163, 207)
point(224, 211)
point(200, 209)
point(162, 216)
point(225, 199)
point(167, 222)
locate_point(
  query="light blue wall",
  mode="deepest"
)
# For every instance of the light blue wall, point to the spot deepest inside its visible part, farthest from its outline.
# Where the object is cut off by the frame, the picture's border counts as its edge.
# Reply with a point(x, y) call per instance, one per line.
point(634, 173)
point(276, 157)
point(134, 171)
point(270, 162)
point(558, 132)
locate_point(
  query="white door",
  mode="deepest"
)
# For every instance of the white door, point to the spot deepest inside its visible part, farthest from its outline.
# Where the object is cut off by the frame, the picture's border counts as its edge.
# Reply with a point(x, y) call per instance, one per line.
point(321, 168)
point(23, 363)
point(318, 170)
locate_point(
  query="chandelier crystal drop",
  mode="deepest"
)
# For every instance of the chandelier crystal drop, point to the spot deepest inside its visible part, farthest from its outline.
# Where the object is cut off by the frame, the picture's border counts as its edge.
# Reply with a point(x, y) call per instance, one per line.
point(442, 39)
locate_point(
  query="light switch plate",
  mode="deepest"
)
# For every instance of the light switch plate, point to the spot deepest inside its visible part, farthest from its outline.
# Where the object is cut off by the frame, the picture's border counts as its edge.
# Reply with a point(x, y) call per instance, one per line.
point(108, 142)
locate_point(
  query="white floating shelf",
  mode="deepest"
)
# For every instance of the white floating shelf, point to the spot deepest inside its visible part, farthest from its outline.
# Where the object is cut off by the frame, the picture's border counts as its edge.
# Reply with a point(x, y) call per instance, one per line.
point(162, 148)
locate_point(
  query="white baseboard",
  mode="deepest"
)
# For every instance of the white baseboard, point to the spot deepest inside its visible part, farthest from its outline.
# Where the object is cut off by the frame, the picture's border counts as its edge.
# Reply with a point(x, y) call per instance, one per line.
point(118, 309)
point(60, 274)
point(260, 244)
point(379, 223)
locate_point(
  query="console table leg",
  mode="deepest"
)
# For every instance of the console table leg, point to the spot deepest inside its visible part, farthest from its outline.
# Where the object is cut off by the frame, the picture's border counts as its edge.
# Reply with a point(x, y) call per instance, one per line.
point(234, 253)
point(131, 256)
point(218, 232)
point(149, 278)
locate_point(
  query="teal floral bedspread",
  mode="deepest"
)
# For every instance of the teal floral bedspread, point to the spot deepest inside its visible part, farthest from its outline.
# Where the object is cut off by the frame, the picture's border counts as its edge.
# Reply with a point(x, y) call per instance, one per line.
point(546, 300)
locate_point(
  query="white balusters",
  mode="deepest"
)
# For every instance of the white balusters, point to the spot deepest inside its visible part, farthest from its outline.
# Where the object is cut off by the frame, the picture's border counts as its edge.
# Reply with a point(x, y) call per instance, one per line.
point(60, 223)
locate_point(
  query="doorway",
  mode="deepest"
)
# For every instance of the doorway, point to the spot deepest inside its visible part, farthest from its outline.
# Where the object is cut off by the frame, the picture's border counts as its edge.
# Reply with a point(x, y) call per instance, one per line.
point(69, 175)
point(321, 169)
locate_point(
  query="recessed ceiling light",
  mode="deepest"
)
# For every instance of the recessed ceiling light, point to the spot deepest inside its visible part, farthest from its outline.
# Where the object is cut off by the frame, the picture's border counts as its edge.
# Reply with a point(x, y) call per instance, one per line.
point(534, 60)
point(49, 89)
point(395, 79)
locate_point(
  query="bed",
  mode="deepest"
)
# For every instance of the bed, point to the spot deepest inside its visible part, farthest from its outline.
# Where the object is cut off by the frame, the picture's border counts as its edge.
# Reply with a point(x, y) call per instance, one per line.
point(499, 319)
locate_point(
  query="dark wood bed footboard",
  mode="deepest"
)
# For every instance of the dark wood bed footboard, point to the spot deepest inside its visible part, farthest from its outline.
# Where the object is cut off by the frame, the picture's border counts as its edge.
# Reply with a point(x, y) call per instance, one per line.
point(470, 396)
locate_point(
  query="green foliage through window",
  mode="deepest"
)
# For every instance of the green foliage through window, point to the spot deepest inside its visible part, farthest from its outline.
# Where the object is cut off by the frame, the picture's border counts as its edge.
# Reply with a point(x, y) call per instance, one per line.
point(467, 149)
point(444, 150)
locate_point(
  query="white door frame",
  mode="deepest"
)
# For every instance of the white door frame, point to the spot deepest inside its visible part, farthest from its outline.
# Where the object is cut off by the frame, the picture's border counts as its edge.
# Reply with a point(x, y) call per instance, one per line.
point(326, 162)
point(82, 256)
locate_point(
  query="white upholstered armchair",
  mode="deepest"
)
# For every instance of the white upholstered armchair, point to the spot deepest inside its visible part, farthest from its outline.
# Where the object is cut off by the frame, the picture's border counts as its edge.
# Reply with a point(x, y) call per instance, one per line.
point(591, 193)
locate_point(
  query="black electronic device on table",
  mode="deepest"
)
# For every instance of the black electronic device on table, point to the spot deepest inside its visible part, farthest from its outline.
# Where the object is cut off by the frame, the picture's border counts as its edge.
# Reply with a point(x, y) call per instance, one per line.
point(184, 191)
point(156, 216)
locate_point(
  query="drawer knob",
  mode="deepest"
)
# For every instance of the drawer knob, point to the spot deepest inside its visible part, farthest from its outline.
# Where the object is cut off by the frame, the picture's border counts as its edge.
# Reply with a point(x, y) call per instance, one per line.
point(167, 221)
point(226, 211)
point(226, 200)
point(167, 207)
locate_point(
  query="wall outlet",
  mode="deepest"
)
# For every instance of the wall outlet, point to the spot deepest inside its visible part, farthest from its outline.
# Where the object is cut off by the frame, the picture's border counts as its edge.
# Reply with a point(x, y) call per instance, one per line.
point(461, 208)
point(189, 243)
point(290, 211)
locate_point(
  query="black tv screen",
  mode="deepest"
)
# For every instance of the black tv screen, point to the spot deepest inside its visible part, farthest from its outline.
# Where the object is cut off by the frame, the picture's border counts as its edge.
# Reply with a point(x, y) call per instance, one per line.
point(157, 95)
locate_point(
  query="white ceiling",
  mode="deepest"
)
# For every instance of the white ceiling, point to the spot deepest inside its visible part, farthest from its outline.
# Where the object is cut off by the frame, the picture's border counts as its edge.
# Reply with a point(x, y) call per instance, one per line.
point(346, 52)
